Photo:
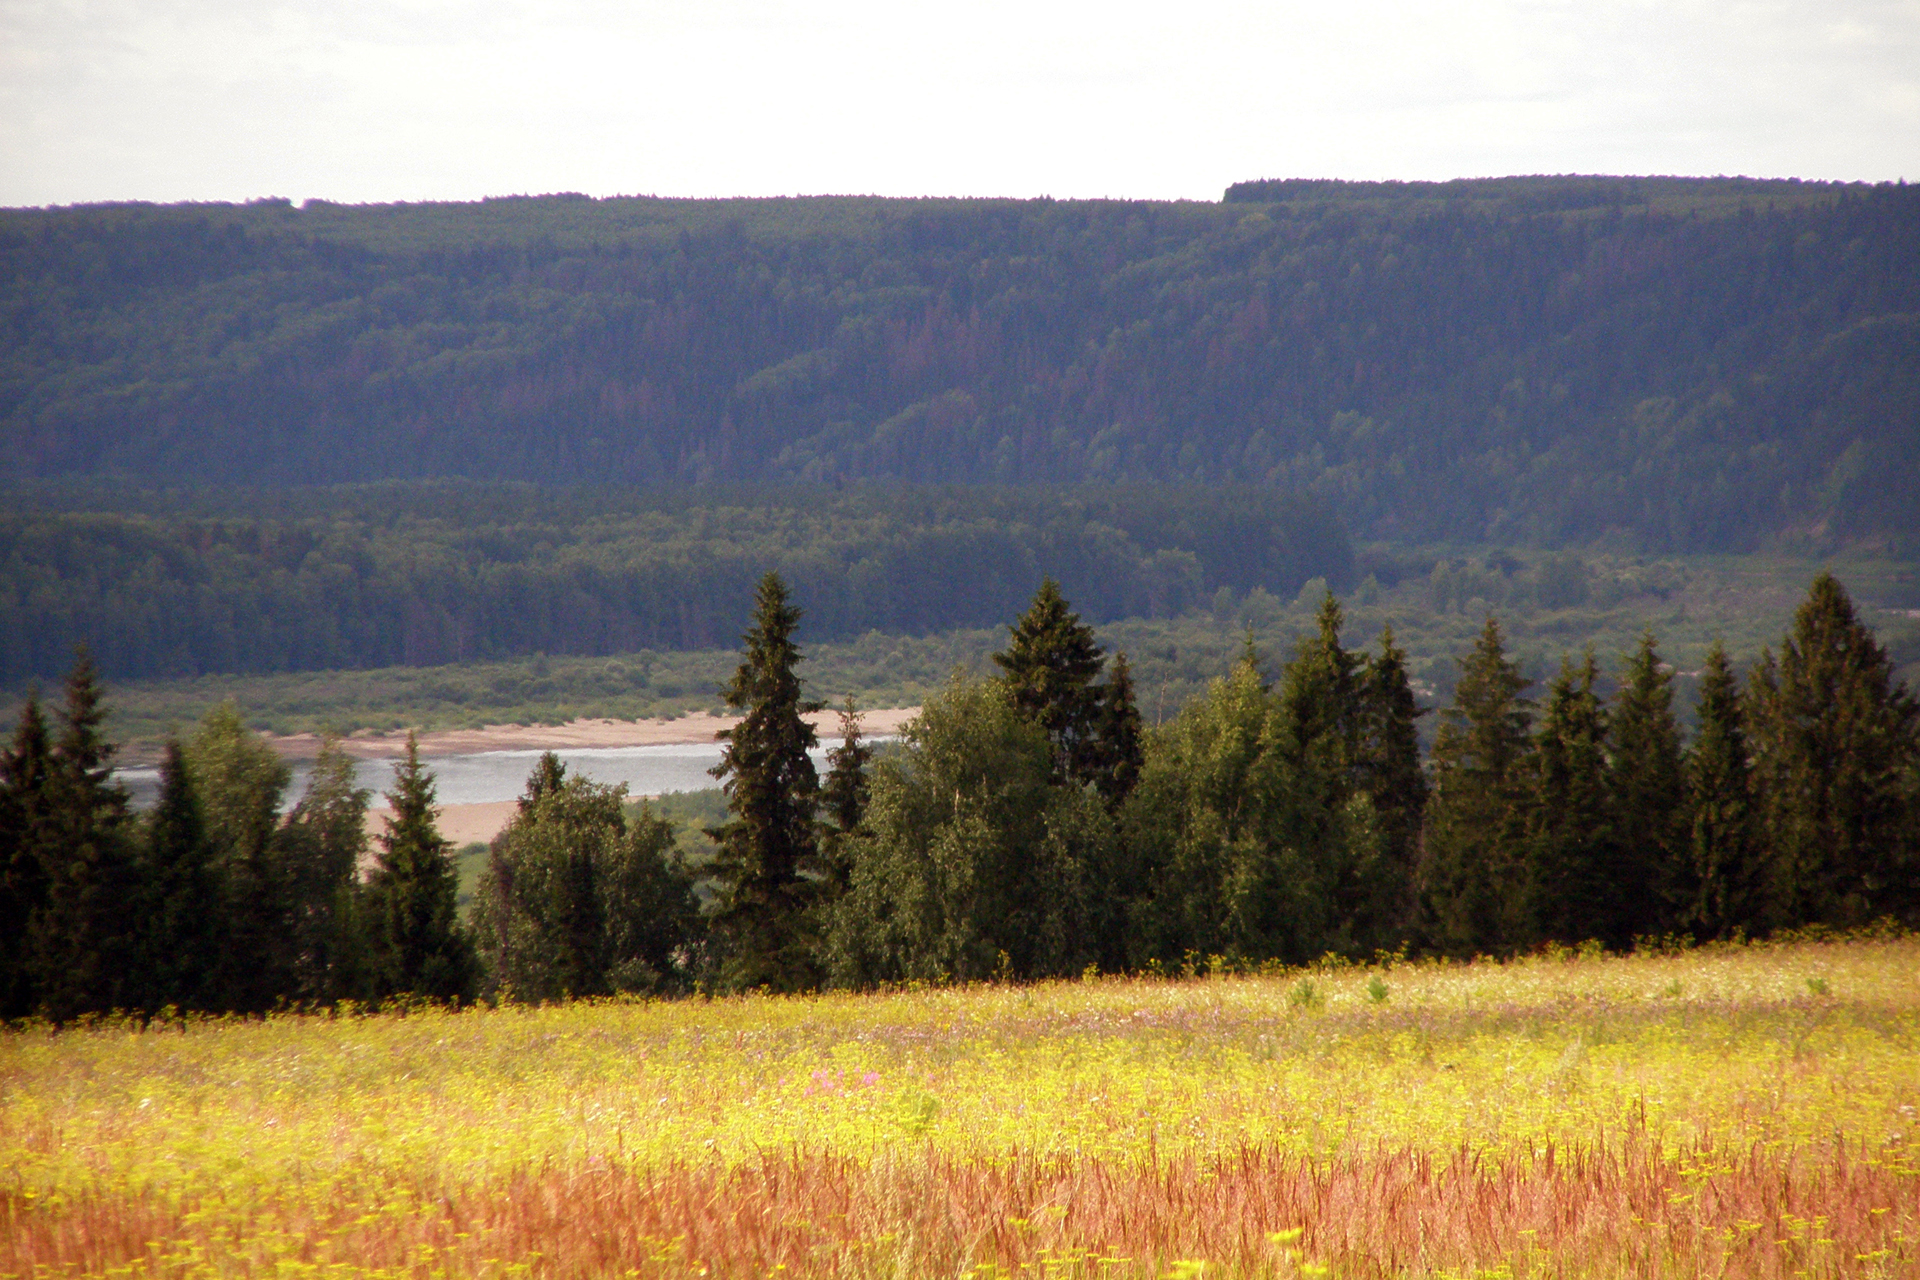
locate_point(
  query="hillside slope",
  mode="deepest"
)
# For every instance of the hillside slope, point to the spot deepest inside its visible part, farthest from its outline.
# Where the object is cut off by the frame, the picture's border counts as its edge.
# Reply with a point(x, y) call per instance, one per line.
point(1688, 364)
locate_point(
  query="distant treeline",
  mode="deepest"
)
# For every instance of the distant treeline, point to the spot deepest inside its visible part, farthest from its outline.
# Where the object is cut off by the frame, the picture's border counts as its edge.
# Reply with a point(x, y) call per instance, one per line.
point(273, 581)
point(1692, 364)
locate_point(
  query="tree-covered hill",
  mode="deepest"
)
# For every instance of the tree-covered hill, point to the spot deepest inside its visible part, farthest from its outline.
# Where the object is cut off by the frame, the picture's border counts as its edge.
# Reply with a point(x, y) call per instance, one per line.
point(170, 584)
point(1684, 364)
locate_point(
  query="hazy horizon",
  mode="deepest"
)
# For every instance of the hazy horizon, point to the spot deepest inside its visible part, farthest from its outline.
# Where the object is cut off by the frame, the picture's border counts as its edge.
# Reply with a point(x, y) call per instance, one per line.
point(169, 100)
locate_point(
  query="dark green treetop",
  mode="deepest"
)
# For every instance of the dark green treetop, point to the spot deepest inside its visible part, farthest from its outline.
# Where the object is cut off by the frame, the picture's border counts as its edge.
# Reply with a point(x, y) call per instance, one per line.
point(1837, 749)
point(419, 947)
point(1473, 874)
point(1649, 795)
point(763, 898)
point(1726, 888)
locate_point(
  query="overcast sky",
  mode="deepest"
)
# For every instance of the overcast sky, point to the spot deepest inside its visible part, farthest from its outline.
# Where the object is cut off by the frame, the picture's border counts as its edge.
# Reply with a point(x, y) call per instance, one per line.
point(456, 99)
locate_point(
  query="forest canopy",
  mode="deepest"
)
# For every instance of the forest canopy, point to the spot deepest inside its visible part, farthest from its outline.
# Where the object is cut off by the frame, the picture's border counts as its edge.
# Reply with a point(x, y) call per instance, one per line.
point(429, 574)
point(1683, 364)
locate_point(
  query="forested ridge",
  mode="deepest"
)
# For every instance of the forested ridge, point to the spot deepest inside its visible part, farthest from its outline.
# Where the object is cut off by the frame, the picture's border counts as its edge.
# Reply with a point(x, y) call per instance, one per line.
point(1689, 364)
point(430, 574)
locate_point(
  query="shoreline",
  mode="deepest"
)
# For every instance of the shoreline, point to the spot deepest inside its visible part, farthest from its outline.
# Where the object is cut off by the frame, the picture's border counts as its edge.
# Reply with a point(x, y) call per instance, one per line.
point(697, 728)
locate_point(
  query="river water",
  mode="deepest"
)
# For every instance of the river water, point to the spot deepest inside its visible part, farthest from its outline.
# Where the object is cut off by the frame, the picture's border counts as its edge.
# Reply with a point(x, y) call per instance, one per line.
point(502, 775)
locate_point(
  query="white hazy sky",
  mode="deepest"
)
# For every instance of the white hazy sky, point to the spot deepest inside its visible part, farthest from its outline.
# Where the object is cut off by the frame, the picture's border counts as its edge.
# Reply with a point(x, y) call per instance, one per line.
point(358, 100)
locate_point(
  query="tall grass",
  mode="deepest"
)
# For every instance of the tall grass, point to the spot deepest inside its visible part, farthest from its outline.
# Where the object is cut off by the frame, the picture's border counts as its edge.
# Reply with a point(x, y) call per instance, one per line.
point(1747, 1111)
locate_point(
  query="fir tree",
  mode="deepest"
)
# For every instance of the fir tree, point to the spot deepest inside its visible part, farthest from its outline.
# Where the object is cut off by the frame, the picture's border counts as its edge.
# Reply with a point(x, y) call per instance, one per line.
point(419, 947)
point(183, 939)
point(1648, 782)
point(85, 940)
point(1121, 750)
point(25, 775)
point(1389, 772)
point(763, 899)
point(1472, 872)
point(843, 803)
point(1726, 884)
point(1050, 667)
point(1837, 766)
point(1573, 853)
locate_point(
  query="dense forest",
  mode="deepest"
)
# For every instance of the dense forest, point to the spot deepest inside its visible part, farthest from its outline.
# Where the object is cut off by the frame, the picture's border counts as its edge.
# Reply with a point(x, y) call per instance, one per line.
point(1685, 364)
point(1029, 826)
point(432, 574)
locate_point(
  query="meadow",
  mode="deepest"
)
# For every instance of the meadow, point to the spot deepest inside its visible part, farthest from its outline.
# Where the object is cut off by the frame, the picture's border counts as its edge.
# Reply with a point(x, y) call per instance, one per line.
point(1738, 1111)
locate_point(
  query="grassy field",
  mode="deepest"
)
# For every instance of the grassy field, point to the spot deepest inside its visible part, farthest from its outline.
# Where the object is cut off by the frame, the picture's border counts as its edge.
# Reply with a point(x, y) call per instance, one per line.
point(1734, 1112)
point(1436, 603)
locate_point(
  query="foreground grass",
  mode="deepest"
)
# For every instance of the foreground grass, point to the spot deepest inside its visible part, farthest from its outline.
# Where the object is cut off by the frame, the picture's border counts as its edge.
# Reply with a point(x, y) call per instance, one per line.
point(1748, 1111)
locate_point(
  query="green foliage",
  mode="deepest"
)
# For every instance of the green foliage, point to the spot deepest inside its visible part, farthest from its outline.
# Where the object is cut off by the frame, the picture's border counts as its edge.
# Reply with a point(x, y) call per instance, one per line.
point(1836, 746)
point(426, 574)
point(1649, 798)
point(766, 847)
point(578, 901)
point(1474, 872)
point(972, 863)
point(84, 938)
point(1576, 860)
point(1726, 876)
point(415, 944)
point(1050, 667)
point(240, 782)
point(26, 767)
point(843, 804)
point(185, 935)
point(1699, 363)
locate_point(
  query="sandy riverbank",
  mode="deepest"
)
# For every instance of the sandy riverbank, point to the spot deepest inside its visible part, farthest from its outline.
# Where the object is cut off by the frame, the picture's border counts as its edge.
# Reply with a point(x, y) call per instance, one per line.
point(574, 735)
point(464, 823)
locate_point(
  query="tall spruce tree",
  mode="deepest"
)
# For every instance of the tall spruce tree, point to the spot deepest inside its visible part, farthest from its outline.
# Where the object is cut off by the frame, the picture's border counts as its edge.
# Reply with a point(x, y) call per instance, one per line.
point(25, 776)
point(85, 940)
point(1473, 871)
point(1837, 768)
point(1726, 886)
point(419, 947)
point(1573, 850)
point(1389, 772)
point(1649, 792)
point(182, 936)
point(762, 908)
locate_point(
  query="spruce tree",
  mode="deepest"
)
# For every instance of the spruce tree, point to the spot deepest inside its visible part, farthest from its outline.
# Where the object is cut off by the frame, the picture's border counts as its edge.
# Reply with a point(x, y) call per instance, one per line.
point(843, 804)
point(1388, 770)
point(420, 949)
point(85, 941)
point(1050, 667)
point(1837, 769)
point(183, 939)
point(25, 776)
point(1726, 886)
point(763, 899)
point(1649, 788)
point(1122, 751)
point(1574, 858)
point(1472, 874)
